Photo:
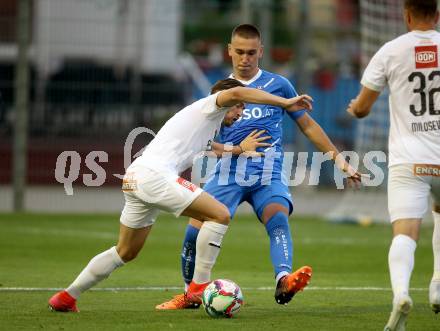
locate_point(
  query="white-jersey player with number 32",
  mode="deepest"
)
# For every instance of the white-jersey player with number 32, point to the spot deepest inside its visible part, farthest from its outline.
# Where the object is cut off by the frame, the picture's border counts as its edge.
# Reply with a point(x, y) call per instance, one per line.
point(409, 66)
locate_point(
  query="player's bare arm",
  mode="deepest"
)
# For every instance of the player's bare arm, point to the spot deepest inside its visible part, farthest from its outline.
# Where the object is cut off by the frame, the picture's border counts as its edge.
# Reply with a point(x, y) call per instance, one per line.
point(233, 96)
point(322, 142)
point(361, 106)
point(247, 145)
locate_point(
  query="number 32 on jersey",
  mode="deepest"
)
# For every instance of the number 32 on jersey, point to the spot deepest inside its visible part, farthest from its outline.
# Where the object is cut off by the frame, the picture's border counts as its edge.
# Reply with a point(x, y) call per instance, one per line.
point(425, 57)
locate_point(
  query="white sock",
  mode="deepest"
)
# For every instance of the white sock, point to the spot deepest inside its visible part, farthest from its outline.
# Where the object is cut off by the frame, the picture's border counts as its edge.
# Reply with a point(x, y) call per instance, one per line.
point(279, 276)
point(99, 268)
point(208, 245)
point(436, 245)
point(401, 263)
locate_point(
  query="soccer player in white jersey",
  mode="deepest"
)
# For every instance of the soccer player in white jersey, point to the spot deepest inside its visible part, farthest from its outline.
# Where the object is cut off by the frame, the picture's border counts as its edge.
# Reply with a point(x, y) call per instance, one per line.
point(152, 184)
point(409, 66)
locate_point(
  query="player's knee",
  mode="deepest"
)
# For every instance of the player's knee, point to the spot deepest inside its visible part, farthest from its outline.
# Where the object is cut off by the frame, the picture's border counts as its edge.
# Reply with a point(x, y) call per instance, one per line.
point(128, 254)
point(195, 223)
point(273, 209)
point(407, 227)
point(223, 216)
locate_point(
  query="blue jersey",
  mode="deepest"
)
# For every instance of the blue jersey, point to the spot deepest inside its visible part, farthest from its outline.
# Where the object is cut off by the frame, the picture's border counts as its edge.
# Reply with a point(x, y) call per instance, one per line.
point(269, 118)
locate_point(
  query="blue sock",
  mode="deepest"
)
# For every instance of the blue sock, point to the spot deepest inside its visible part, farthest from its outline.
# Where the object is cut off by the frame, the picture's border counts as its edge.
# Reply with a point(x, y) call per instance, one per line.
point(188, 256)
point(281, 248)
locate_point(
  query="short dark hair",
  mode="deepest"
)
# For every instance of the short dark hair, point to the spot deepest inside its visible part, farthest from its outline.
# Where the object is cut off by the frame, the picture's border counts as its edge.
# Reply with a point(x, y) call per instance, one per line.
point(225, 84)
point(247, 31)
point(422, 8)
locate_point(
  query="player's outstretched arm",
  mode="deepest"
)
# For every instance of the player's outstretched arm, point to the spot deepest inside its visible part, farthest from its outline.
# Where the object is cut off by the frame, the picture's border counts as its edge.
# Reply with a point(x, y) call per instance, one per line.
point(322, 142)
point(361, 106)
point(231, 97)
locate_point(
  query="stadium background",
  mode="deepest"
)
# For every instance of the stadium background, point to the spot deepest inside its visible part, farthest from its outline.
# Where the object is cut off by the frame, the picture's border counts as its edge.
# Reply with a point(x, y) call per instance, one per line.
point(97, 69)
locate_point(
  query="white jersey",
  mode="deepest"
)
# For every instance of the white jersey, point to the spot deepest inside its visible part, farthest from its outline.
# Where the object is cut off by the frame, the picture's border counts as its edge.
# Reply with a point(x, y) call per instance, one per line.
point(409, 65)
point(184, 136)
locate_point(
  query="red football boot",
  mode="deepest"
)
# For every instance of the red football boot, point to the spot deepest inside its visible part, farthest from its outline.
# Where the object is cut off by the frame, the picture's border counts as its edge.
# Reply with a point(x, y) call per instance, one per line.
point(195, 292)
point(63, 301)
point(291, 284)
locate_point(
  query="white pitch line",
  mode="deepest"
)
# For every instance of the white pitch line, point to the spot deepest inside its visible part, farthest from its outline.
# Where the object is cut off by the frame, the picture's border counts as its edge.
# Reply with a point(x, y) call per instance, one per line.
point(154, 288)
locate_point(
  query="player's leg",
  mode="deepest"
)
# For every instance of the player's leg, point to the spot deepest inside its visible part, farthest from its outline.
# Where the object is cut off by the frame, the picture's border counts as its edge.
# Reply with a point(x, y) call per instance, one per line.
point(131, 241)
point(176, 195)
point(401, 254)
point(273, 204)
point(275, 219)
point(136, 221)
point(208, 242)
point(407, 203)
point(288, 283)
point(226, 195)
point(207, 209)
point(229, 195)
point(188, 254)
point(182, 198)
point(215, 217)
point(101, 266)
point(188, 261)
point(434, 286)
point(401, 264)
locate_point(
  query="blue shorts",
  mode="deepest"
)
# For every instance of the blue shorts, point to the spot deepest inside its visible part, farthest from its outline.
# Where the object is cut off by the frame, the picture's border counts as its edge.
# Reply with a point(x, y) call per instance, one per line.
point(257, 195)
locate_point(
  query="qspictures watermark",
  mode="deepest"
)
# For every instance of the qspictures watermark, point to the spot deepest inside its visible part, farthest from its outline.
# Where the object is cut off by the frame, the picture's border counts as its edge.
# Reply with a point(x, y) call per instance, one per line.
point(68, 163)
point(275, 165)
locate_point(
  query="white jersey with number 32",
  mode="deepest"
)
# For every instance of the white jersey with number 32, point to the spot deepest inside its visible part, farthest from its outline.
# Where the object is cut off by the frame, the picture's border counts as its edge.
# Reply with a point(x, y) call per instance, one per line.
point(409, 65)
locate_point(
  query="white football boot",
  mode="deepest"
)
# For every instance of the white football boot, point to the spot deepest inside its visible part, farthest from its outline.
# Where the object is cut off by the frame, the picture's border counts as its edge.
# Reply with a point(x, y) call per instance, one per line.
point(401, 308)
point(434, 295)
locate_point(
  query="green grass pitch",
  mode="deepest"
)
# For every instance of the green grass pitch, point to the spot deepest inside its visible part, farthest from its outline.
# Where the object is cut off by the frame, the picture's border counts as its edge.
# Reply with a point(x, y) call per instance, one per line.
point(48, 251)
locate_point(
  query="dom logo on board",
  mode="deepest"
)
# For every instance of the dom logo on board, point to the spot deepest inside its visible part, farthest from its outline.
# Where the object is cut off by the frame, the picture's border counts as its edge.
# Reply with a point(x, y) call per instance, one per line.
point(426, 57)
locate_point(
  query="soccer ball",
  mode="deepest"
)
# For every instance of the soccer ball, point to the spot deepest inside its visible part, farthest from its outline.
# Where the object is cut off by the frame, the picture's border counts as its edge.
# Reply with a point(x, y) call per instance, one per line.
point(222, 298)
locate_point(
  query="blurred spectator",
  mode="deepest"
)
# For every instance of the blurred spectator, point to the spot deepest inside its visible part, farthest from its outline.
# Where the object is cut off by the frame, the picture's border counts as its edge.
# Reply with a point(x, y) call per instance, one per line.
point(2, 111)
point(324, 78)
point(347, 12)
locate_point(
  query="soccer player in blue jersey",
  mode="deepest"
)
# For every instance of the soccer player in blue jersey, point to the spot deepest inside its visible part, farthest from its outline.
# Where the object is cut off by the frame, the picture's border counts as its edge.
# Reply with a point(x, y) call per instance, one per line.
point(268, 195)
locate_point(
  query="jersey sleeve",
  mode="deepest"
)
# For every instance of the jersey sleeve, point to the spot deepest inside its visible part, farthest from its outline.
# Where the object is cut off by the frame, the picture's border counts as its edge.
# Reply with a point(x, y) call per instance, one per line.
point(290, 92)
point(374, 76)
point(209, 106)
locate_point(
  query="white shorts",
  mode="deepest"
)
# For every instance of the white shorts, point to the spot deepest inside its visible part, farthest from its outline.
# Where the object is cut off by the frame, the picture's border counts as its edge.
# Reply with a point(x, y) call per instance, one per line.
point(409, 187)
point(148, 191)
